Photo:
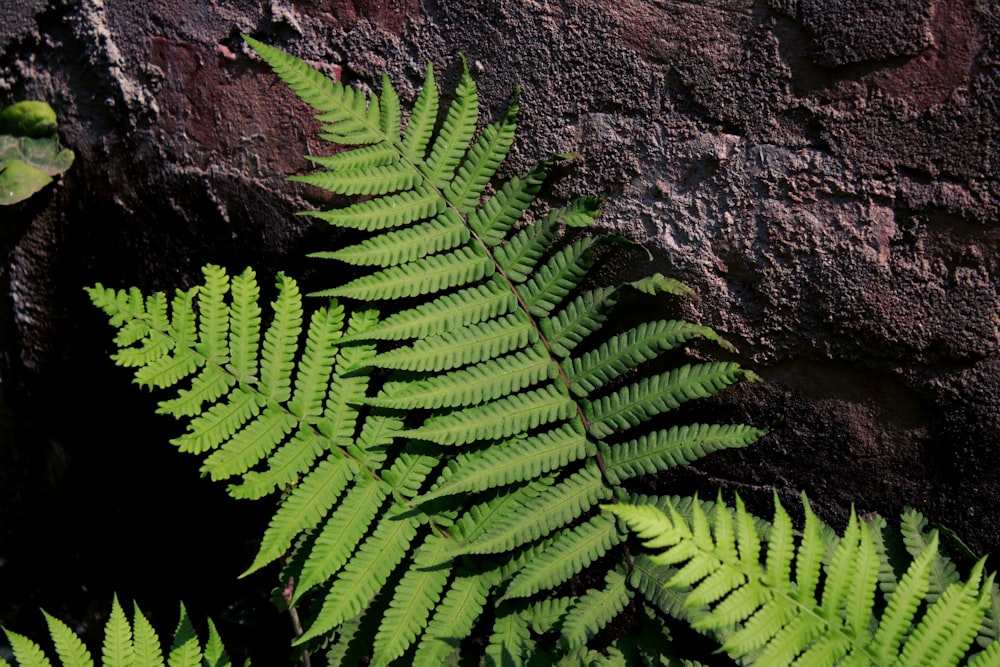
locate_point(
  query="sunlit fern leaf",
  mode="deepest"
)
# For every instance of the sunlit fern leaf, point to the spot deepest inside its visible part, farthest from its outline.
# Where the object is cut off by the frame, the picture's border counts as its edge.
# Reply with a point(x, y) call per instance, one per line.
point(766, 618)
point(422, 119)
point(145, 641)
point(466, 307)
point(578, 319)
point(481, 163)
point(68, 645)
point(625, 351)
point(341, 532)
point(303, 508)
point(555, 506)
point(500, 418)
point(392, 211)
point(457, 130)
point(425, 275)
point(125, 644)
point(117, 648)
point(553, 280)
point(461, 346)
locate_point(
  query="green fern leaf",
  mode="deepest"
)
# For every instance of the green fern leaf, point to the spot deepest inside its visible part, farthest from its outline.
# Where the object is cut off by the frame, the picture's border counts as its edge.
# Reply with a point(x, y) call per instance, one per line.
point(26, 652)
point(425, 275)
point(250, 445)
point(215, 652)
point(481, 163)
point(456, 132)
point(365, 573)
point(651, 396)
point(284, 467)
point(413, 600)
point(512, 461)
point(478, 383)
point(595, 609)
point(361, 157)
point(148, 651)
point(553, 281)
point(342, 531)
point(463, 308)
point(117, 649)
point(578, 319)
point(316, 364)
point(556, 506)
point(303, 509)
point(625, 351)
point(510, 644)
point(422, 120)
point(676, 446)
point(441, 233)
point(395, 210)
point(499, 213)
point(463, 346)
point(371, 181)
point(453, 618)
point(281, 342)
point(244, 326)
point(497, 419)
point(567, 555)
point(68, 645)
point(185, 651)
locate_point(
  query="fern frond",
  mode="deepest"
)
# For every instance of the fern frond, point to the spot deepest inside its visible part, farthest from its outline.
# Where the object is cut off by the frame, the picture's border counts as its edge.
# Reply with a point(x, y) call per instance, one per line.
point(68, 645)
point(303, 509)
point(422, 120)
point(453, 618)
point(462, 424)
point(770, 620)
point(465, 307)
point(365, 573)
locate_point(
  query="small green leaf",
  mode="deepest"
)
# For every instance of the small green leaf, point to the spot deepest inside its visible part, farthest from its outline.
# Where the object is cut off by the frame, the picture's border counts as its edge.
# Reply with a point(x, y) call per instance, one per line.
point(30, 118)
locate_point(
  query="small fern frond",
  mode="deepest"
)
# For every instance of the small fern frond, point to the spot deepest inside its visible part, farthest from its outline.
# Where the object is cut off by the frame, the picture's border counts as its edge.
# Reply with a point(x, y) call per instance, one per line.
point(767, 619)
point(126, 644)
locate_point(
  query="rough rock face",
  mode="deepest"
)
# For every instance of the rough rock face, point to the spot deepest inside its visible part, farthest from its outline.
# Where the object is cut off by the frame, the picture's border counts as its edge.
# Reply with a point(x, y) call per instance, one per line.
point(821, 172)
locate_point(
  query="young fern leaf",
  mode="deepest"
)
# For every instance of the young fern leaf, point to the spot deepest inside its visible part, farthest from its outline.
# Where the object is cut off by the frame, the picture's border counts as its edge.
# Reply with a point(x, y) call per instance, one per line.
point(767, 618)
point(484, 414)
point(125, 644)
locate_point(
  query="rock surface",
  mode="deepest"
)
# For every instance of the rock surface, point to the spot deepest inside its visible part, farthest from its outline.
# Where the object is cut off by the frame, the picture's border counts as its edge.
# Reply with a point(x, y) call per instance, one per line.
point(821, 172)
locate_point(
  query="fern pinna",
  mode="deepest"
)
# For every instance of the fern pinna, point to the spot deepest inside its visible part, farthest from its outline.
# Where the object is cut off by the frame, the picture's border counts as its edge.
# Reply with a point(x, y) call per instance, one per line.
point(775, 596)
point(439, 462)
